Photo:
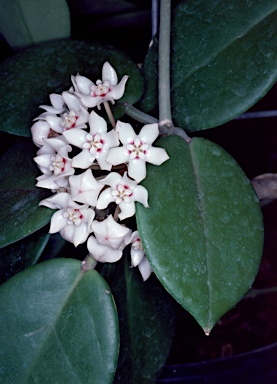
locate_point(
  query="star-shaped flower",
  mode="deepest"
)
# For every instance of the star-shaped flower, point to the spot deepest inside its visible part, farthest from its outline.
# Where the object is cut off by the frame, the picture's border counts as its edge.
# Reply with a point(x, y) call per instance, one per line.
point(124, 192)
point(109, 241)
point(74, 116)
point(72, 220)
point(137, 149)
point(95, 145)
point(107, 89)
point(85, 188)
point(53, 161)
point(54, 121)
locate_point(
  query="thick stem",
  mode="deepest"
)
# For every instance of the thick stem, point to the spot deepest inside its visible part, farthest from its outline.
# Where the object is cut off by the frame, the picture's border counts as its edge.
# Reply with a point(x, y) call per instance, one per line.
point(164, 62)
point(109, 113)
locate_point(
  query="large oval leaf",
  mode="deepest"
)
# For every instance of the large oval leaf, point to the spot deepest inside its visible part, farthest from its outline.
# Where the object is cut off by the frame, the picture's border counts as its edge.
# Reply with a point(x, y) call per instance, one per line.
point(58, 325)
point(223, 60)
point(147, 323)
point(20, 214)
point(203, 232)
point(27, 79)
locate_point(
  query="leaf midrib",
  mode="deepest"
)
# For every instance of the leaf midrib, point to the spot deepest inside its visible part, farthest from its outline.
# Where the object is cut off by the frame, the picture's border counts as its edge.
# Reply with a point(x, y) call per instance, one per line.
point(207, 61)
point(52, 328)
point(202, 215)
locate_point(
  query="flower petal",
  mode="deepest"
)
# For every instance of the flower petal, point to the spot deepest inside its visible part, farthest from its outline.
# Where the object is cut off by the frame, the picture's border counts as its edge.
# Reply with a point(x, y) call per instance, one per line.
point(145, 269)
point(127, 210)
point(58, 222)
point(83, 160)
point(137, 170)
point(140, 194)
point(85, 188)
point(156, 156)
point(40, 131)
point(117, 156)
point(149, 133)
point(126, 132)
point(109, 74)
point(103, 253)
point(105, 199)
point(83, 83)
point(76, 136)
point(118, 91)
point(97, 124)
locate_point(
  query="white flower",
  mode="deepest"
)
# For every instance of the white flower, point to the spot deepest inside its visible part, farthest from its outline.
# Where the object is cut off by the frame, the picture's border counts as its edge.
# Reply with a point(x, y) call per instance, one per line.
point(137, 149)
point(109, 241)
point(95, 145)
point(107, 89)
point(40, 130)
point(58, 105)
point(124, 192)
point(71, 114)
point(72, 220)
point(75, 116)
point(54, 163)
point(85, 188)
point(138, 257)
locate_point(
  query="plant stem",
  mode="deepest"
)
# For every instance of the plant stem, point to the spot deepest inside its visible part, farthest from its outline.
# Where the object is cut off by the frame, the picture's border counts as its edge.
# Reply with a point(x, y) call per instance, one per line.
point(109, 113)
point(164, 64)
point(255, 292)
point(139, 115)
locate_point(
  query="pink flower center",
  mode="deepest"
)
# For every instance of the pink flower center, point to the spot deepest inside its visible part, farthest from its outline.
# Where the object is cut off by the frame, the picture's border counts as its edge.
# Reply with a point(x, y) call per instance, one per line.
point(73, 216)
point(100, 89)
point(69, 120)
point(137, 149)
point(57, 164)
point(122, 193)
point(94, 143)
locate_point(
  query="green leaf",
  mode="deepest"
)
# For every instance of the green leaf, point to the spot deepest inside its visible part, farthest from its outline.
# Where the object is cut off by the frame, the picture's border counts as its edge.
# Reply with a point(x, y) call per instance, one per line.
point(147, 323)
point(223, 60)
point(20, 214)
point(203, 232)
point(22, 254)
point(27, 22)
point(27, 79)
point(58, 325)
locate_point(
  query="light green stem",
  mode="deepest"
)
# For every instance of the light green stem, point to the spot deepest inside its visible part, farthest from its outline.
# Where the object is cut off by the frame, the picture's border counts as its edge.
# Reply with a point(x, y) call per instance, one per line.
point(164, 64)
point(139, 115)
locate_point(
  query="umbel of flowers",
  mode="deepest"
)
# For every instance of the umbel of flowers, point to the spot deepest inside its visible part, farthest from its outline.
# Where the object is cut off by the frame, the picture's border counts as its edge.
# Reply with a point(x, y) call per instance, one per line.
point(74, 142)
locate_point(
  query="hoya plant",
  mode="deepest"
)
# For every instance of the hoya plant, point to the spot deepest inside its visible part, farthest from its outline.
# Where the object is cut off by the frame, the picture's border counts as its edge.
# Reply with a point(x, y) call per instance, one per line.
point(113, 209)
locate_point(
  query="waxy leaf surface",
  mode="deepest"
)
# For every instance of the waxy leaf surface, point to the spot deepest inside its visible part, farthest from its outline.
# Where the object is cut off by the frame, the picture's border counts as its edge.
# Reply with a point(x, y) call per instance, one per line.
point(20, 214)
point(203, 231)
point(224, 59)
point(58, 325)
point(27, 79)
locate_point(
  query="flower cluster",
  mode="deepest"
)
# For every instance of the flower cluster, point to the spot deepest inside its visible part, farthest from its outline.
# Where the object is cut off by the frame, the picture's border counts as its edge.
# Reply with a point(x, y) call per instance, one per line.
point(74, 142)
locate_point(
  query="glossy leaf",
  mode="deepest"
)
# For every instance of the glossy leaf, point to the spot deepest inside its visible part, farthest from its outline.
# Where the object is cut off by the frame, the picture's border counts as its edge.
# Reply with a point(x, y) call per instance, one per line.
point(27, 79)
point(147, 323)
point(223, 60)
point(25, 22)
point(203, 232)
point(58, 324)
point(24, 253)
point(20, 214)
